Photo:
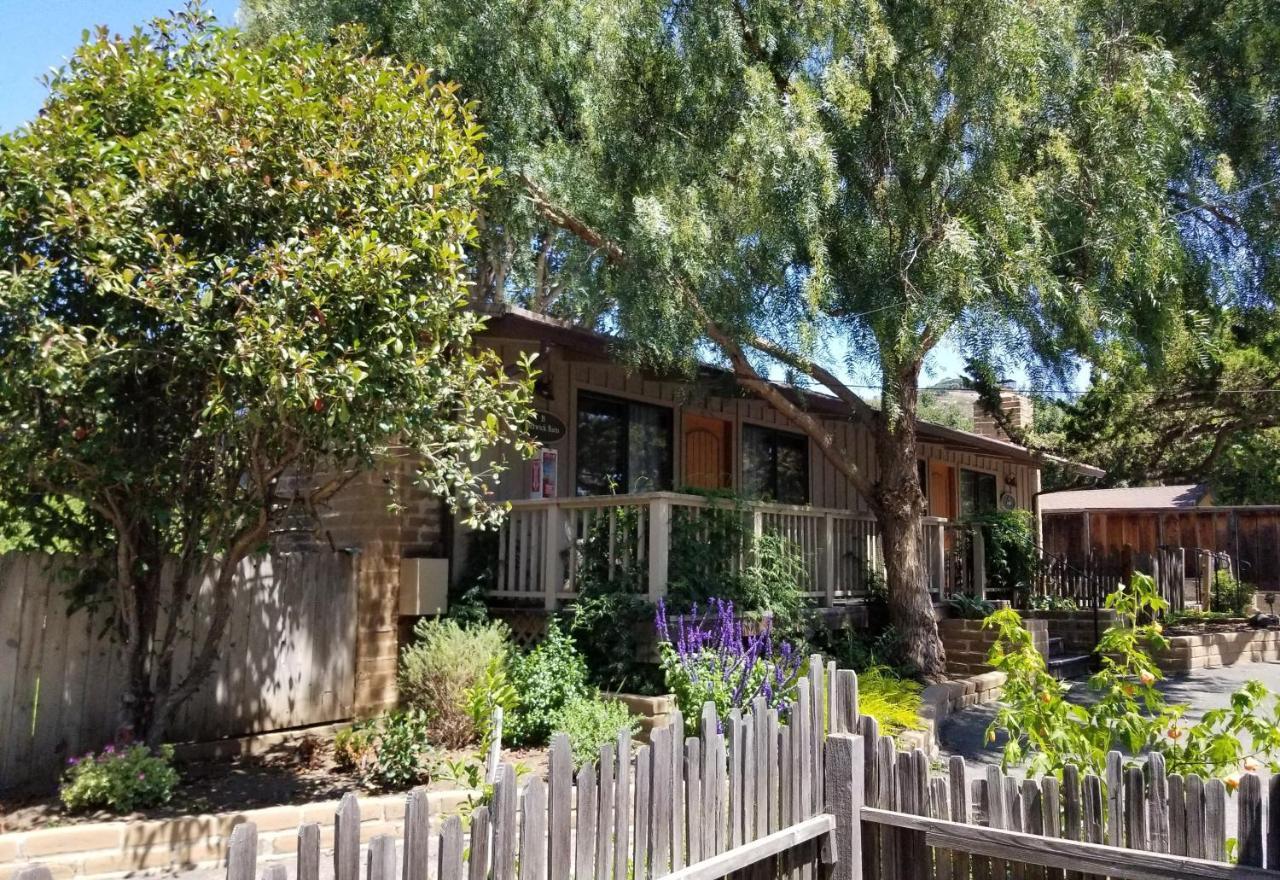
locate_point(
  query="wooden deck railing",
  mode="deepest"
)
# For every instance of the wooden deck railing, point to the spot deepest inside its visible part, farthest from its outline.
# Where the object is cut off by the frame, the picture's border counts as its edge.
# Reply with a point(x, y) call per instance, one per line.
point(548, 547)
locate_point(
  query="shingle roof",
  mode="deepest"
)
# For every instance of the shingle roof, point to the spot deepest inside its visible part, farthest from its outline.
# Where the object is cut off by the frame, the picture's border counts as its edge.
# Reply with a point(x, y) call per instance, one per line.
point(1138, 498)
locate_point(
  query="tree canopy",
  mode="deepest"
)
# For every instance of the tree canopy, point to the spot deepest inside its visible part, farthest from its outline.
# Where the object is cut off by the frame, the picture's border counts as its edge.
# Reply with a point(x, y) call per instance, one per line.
point(233, 275)
point(831, 184)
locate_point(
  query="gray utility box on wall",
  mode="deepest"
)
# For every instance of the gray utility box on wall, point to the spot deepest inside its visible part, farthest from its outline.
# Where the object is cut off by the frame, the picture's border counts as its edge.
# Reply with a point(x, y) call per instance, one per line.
point(424, 587)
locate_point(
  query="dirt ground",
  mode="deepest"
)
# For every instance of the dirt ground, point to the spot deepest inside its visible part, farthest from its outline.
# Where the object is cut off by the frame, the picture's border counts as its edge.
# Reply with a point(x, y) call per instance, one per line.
point(292, 773)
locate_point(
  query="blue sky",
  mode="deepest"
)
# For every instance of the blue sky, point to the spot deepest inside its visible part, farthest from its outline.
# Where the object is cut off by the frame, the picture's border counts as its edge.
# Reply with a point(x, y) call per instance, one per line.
point(35, 36)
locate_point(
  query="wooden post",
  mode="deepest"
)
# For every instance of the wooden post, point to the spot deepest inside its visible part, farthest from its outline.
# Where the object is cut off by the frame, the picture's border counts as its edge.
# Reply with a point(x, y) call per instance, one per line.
point(659, 546)
point(346, 839)
point(552, 572)
point(979, 563)
point(242, 853)
point(844, 797)
point(829, 559)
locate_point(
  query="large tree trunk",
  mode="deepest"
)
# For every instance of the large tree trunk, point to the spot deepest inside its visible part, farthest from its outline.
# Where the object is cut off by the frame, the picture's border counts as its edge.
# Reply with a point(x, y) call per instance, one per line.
point(899, 506)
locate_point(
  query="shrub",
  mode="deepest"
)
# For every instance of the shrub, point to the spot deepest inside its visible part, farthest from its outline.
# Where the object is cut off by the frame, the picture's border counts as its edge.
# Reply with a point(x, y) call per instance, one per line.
point(1230, 595)
point(1128, 712)
point(439, 669)
point(1043, 602)
point(864, 648)
point(492, 692)
point(545, 680)
point(119, 779)
point(1010, 549)
point(968, 607)
point(889, 698)
point(590, 722)
point(390, 752)
point(712, 659)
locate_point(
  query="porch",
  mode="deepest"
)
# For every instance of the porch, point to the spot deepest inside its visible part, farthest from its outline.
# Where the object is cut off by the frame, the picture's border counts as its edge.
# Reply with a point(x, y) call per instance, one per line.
point(550, 549)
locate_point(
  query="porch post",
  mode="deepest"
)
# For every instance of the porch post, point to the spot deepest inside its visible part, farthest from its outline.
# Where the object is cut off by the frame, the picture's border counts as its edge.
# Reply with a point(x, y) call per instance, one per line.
point(979, 563)
point(552, 574)
point(659, 544)
point(939, 549)
point(829, 559)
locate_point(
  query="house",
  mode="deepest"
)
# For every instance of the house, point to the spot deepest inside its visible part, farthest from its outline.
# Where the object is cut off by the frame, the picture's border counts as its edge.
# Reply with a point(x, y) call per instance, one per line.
point(613, 438)
point(1097, 527)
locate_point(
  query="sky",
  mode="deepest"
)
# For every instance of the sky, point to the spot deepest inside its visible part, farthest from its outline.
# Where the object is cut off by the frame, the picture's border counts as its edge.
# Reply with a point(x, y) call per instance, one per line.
point(36, 35)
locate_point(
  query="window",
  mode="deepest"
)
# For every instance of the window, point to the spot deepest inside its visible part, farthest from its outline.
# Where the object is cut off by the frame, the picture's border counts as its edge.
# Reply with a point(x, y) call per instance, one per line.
point(977, 493)
point(622, 446)
point(775, 465)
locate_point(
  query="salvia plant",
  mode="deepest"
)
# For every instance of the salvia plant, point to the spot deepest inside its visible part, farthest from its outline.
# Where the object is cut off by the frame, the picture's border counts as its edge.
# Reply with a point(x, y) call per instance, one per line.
point(711, 657)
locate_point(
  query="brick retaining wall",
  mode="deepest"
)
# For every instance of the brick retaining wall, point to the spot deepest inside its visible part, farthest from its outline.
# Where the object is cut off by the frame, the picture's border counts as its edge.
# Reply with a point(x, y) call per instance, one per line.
point(1076, 628)
point(967, 643)
point(1219, 649)
point(185, 842)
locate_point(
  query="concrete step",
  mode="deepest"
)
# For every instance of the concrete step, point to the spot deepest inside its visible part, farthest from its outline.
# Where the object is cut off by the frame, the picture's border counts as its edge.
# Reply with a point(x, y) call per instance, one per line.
point(1070, 667)
point(1055, 646)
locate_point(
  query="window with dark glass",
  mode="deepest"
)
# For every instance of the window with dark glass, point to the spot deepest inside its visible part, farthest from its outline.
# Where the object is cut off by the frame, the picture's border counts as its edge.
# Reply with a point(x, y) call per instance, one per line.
point(977, 493)
point(622, 446)
point(775, 465)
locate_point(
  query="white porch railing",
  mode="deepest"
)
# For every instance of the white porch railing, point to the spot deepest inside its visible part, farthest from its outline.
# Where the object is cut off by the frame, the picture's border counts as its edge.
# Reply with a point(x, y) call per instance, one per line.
point(547, 547)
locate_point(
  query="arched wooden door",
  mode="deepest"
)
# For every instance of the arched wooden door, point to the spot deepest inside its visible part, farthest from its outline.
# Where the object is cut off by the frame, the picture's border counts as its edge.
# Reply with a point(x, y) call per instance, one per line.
point(707, 452)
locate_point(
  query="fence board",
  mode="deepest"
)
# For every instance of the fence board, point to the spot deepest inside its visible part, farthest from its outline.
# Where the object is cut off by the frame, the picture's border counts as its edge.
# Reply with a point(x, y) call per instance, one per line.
point(533, 834)
point(287, 659)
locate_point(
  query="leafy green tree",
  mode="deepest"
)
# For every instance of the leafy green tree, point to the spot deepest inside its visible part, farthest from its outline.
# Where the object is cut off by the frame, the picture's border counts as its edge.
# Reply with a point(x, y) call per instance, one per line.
point(233, 276)
point(805, 186)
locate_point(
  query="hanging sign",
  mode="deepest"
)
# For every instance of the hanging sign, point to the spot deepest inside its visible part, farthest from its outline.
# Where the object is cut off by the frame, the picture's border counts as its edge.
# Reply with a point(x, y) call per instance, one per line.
point(546, 428)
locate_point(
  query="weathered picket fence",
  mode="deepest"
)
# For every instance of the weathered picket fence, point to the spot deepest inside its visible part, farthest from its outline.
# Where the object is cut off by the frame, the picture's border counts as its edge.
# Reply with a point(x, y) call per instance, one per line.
point(823, 795)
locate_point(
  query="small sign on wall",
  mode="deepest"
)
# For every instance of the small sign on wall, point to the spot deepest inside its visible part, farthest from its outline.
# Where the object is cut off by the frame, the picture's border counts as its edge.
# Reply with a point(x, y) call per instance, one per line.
point(544, 473)
point(550, 473)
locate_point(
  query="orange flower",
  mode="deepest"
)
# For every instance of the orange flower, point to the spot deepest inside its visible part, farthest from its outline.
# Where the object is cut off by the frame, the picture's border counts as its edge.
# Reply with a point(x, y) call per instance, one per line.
point(1250, 765)
point(1147, 678)
point(1232, 782)
point(1175, 733)
point(1046, 697)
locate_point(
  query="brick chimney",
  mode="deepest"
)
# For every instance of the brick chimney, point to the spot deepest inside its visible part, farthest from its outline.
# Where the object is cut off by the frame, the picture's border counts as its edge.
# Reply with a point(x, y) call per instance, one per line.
point(1017, 407)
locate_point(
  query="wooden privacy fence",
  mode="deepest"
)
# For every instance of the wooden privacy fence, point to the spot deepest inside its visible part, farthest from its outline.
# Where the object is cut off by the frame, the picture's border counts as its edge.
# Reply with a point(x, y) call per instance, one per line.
point(287, 660)
point(760, 797)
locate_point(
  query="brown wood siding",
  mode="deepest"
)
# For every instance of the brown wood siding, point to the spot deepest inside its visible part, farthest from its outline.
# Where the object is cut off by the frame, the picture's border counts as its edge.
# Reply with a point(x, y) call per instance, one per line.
point(827, 486)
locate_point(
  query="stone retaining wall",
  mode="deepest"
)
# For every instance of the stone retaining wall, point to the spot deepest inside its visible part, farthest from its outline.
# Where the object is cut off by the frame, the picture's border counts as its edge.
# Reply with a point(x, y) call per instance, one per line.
point(185, 842)
point(1078, 629)
point(1219, 649)
point(938, 701)
point(967, 643)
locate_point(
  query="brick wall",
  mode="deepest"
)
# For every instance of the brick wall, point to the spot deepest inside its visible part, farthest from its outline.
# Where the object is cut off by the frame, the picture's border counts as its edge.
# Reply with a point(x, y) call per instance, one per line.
point(1075, 628)
point(384, 517)
point(1017, 408)
point(967, 643)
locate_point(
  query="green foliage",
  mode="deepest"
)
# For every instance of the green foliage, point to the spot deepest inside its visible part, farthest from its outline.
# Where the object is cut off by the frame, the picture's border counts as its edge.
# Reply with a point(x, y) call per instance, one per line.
point(390, 752)
point(612, 614)
point(235, 270)
point(1230, 595)
point(1041, 602)
point(939, 409)
point(592, 721)
point(120, 780)
point(491, 691)
point(863, 648)
point(891, 699)
point(1127, 710)
point(967, 607)
point(545, 679)
point(1012, 556)
point(451, 673)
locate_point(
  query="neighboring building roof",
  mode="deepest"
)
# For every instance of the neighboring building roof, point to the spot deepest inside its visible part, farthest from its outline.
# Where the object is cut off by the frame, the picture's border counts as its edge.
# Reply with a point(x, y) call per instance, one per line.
point(1137, 498)
point(522, 323)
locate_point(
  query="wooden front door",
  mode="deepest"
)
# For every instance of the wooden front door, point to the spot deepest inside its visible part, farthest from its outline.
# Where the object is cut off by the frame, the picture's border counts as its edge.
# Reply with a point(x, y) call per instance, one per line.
point(942, 490)
point(708, 452)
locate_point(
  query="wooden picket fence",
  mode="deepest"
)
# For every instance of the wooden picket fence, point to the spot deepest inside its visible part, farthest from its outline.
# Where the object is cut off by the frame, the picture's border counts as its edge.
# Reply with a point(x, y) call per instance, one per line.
point(819, 794)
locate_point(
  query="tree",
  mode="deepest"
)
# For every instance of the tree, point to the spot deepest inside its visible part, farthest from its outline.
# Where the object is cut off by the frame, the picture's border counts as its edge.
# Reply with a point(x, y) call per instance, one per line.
point(799, 186)
point(233, 277)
